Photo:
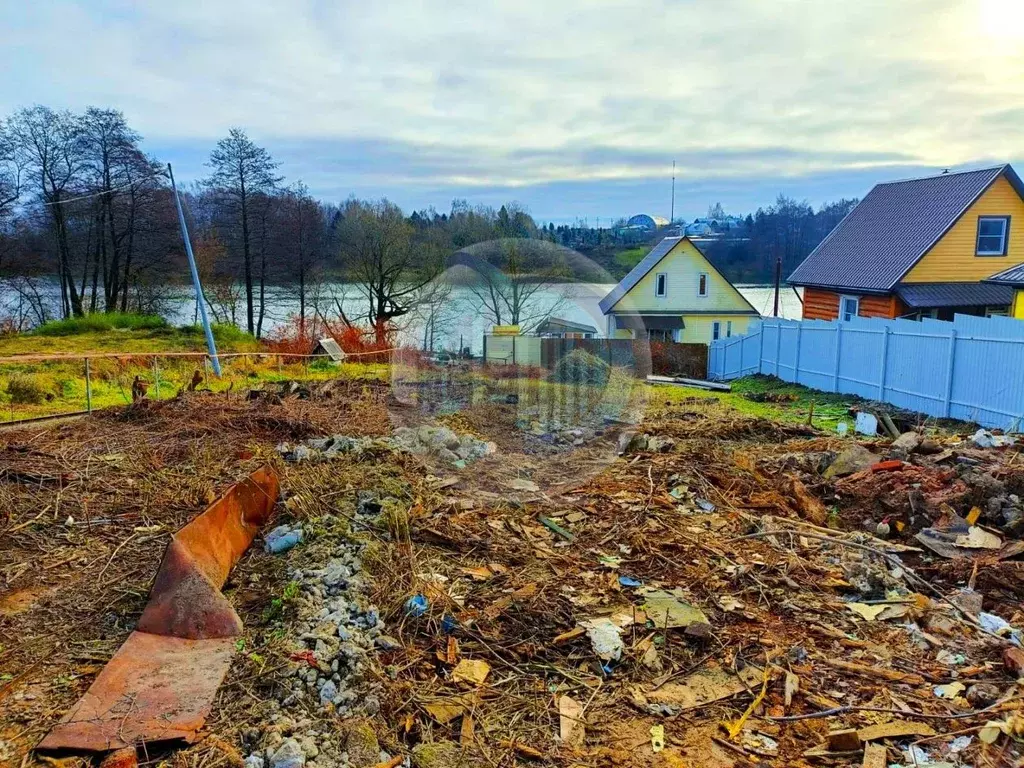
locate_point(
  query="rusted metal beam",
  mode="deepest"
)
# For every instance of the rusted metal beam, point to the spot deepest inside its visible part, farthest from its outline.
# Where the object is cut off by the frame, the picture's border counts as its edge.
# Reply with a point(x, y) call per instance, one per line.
point(160, 684)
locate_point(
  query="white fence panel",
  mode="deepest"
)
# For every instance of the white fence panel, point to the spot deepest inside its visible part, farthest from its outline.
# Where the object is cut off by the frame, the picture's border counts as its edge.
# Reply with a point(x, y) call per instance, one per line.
point(971, 368)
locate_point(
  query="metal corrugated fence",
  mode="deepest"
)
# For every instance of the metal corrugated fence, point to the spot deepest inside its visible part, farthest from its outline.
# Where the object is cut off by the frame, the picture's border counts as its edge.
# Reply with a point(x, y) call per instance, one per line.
point(971, 368)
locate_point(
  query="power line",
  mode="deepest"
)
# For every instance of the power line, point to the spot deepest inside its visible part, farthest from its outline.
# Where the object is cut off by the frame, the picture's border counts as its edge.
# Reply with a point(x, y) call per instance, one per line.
point(105, 191)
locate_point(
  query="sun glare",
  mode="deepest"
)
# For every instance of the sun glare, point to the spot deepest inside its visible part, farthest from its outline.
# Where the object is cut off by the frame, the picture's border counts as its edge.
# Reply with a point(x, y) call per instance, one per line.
point(1002, 20)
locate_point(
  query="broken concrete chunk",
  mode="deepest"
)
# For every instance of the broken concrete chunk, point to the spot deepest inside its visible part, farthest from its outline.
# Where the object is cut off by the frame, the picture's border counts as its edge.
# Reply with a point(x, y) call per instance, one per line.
point(288, 755)
point(908, 441)
point(667, 610)
point(854, 459)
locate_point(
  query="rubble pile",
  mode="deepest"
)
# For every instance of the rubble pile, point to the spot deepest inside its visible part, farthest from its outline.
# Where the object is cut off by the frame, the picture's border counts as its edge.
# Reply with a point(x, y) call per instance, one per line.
point(730, 591)
point(335, 633)
point(733, 592)
point(435, 441)
point(441, 442)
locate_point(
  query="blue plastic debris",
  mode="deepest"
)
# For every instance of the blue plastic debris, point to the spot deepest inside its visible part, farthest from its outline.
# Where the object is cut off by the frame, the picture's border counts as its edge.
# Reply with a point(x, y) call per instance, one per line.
point(283, 538)
point(628, 581)
point(449, 623)
point(416, 606)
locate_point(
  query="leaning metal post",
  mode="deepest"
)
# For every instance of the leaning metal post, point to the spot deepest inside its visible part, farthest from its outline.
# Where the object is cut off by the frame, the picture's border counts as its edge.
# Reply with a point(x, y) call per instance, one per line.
point(200, 300)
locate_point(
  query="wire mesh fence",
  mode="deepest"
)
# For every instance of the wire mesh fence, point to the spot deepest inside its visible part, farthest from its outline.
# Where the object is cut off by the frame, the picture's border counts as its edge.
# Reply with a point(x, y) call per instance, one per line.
point(38, 387)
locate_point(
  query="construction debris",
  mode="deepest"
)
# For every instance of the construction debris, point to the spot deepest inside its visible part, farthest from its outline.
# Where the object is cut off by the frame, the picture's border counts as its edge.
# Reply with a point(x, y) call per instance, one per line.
point(731, 591)
point(160, 685)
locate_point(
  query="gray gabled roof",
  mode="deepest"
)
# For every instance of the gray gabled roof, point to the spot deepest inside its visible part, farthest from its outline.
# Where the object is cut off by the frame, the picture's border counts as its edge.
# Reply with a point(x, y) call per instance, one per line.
point(553, 324)
point(637, 273)
point(886, 234)
point(649, 262)
point(921, 295)
point(1012, 276)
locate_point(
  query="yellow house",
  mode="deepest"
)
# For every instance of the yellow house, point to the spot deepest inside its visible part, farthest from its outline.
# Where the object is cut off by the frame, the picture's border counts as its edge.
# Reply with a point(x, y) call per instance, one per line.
point(920, 248)
point(676, 294)
point(1014, 278)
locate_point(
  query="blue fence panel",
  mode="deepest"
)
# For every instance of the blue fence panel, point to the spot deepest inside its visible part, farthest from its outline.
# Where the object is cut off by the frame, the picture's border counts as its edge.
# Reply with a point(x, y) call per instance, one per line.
point(916, 366)
point(860, 359)
point(988, 381)
point(971, 368)
point(817, 355)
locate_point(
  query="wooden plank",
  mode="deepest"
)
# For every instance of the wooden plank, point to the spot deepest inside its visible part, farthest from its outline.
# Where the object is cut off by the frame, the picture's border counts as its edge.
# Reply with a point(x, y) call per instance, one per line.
point(897, 729)
point(881, 673)
point(699, 383)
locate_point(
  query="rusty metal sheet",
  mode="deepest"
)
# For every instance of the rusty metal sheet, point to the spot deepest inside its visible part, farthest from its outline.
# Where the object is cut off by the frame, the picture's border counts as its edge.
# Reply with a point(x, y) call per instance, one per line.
point(185, 600)
point(156, 688)
point(160, 684)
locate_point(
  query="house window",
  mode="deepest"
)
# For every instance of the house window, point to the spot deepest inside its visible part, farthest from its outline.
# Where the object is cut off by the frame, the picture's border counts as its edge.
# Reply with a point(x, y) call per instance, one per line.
point(993, 234)
point(728, 329)
point(716, 330)
point(849, 307)
point(659, 334)
point(661, 285)
point(702, 284)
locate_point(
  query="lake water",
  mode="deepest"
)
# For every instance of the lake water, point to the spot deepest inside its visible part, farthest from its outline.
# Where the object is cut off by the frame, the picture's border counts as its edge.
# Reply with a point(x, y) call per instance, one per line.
point(457, 318)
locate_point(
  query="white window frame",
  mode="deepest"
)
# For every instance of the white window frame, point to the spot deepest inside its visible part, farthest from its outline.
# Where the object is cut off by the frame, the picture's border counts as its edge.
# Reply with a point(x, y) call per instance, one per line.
point(707, 287)
point(842, 308)
point(1004, 238)
point(662, 279)
point(716, 330)
point(728, 329)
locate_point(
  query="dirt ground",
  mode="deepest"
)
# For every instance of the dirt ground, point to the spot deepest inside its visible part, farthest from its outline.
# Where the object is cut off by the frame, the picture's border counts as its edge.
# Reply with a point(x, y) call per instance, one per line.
point(751, 604)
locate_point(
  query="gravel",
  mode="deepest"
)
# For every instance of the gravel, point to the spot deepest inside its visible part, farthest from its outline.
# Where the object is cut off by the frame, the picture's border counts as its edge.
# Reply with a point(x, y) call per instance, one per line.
point(342, 629)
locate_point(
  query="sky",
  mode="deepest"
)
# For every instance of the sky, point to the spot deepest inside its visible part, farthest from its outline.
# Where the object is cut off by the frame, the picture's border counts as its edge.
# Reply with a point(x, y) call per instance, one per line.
point(576, 109)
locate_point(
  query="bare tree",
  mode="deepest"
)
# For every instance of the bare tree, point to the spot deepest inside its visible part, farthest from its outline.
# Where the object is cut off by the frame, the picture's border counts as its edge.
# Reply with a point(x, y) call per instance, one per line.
point(379, 257)
point(518, 282)
point(10, 175)
point(242, 170)
point(124, 180)
point(48, 144)
point(303, 234)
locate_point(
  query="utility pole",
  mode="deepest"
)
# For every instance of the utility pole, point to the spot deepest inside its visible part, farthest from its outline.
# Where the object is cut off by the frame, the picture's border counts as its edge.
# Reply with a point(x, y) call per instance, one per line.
point(778, 282)
point(200, 299)
point(672, 214)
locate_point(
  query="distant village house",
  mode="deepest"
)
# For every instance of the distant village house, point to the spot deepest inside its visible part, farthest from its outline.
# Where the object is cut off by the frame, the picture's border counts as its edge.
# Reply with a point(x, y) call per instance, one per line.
point(676, 294)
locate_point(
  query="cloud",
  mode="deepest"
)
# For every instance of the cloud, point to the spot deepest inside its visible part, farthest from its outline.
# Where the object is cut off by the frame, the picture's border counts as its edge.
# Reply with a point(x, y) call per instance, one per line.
point(525, 96)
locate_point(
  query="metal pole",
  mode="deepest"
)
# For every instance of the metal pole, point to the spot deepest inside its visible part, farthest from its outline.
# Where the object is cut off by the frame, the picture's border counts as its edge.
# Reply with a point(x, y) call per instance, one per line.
point(778, 281)
point(200, 301)
point(88, 387)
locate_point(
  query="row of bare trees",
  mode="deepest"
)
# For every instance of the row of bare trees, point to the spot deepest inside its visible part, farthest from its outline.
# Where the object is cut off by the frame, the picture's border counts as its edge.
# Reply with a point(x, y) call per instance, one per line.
point(85, 209)
point(76, 193)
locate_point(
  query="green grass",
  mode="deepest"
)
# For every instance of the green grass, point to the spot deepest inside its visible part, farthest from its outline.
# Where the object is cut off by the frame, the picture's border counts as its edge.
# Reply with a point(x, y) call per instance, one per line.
point(828, 409)
point(101, 321)
point(116, 332)
point(630, 258)
point(30, 388)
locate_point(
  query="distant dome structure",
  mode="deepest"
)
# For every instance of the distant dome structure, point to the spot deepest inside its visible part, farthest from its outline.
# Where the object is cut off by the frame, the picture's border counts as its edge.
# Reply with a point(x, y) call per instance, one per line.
point(643, 221)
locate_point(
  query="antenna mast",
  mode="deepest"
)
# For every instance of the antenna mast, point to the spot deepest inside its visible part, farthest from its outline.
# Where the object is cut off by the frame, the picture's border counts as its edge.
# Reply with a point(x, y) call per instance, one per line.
point(672, 214)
